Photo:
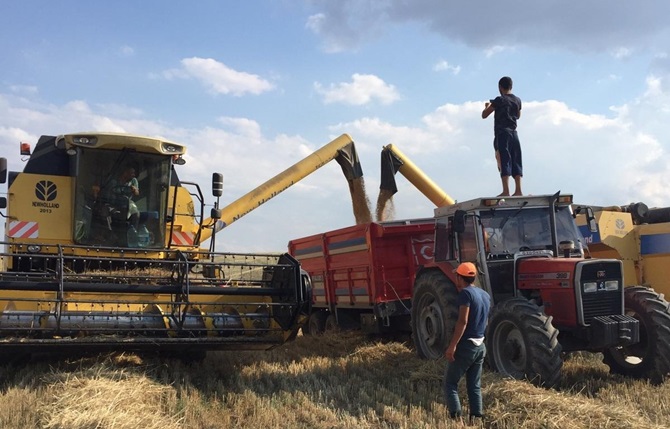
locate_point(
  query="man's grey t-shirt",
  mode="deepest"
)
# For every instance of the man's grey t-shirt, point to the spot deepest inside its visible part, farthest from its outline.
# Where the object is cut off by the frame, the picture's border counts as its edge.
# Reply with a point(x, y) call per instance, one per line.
point(479, 302)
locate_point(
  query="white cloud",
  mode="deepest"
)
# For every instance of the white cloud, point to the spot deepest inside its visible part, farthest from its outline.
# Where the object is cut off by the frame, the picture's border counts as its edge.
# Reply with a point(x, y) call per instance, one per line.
point(609, 79)
point(330, 44)
point(24, 89)
point(219, 78)
point(443, 65)
point(126, 51)
point(363, 89)
point(345, 24)
point(248, 128)
point(495, 50)
point(622, 52)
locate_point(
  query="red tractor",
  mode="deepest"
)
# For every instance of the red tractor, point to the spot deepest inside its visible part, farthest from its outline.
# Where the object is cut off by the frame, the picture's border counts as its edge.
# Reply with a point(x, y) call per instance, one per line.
point(548, 299)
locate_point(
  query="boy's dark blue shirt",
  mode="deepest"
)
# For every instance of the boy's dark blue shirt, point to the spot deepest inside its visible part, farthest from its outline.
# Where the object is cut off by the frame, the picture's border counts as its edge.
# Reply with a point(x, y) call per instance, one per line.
point(507, 108)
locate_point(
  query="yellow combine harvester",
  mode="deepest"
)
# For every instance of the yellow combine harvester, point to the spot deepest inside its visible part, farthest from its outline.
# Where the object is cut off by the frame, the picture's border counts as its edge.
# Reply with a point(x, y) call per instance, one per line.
point(102, 251)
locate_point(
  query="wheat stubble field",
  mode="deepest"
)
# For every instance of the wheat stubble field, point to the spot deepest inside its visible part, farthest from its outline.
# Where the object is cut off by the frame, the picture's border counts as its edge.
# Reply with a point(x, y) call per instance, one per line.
point(335, 381)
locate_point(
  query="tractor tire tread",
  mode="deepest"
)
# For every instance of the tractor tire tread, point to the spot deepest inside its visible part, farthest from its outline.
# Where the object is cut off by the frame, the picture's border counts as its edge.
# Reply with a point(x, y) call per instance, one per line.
point(544, 363)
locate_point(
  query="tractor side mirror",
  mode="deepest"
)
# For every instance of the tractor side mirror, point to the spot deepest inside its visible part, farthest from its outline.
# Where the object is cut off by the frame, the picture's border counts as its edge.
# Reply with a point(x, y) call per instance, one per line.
point(3, 170)
point(591, 220)
point(459, 221)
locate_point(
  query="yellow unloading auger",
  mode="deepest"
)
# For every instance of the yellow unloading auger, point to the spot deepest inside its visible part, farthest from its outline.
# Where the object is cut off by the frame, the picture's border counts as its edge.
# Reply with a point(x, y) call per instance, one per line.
point(341, 149)
point(394, 161)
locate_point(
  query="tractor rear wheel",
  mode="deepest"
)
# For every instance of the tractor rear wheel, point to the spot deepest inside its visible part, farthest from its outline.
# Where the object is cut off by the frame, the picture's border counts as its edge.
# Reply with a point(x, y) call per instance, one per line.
point(434, 314)
point(649, 358)
point(522, 343)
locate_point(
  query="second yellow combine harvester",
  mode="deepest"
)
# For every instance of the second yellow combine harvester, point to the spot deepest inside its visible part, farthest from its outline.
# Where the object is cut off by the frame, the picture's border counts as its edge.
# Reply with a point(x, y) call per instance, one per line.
point(102, 251)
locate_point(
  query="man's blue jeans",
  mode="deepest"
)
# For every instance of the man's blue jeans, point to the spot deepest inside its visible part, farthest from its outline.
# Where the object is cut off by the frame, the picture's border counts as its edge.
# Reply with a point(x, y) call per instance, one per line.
point(469, 362)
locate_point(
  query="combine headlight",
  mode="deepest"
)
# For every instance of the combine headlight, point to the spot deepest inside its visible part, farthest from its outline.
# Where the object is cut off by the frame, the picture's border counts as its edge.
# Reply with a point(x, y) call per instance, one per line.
point(86, 141)
point(611, 285)
point(34, 248)
point(590, 287)
point(172, 148)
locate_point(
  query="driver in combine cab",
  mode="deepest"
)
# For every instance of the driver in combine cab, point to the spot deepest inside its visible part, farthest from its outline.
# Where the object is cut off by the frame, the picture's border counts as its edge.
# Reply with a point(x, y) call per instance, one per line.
point(121, 193)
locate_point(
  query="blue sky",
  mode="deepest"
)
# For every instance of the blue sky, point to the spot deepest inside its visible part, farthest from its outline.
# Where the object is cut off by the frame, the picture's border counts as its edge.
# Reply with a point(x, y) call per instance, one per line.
point(253, 87)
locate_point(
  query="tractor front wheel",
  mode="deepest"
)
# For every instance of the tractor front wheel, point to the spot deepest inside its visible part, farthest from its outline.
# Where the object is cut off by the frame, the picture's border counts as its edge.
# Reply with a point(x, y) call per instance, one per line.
point(650, 357)
point(522, 343)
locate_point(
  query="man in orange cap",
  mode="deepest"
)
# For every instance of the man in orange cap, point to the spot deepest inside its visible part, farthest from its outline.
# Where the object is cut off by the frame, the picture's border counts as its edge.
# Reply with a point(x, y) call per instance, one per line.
point(466, 350)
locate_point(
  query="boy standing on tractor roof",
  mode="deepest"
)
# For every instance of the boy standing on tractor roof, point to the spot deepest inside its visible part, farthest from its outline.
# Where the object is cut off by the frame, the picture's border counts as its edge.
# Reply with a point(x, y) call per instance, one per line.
point(467, 350)
point(507, 108)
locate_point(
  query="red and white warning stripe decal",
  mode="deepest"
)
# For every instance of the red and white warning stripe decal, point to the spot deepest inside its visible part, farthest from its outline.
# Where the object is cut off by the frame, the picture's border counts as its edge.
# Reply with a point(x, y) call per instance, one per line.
point(22, 229)
point(182, 238)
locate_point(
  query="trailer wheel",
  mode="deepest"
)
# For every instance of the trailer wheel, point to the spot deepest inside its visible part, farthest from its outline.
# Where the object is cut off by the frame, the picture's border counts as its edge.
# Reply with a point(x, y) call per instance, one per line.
point(523, 344)
point(316, 324)
point(331, 324)
point(434, 314)
point(650, 358)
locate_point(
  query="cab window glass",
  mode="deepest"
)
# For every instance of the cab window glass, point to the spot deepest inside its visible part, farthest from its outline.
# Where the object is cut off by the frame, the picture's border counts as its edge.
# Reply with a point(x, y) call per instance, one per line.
point(443, 240)
point(467, 243)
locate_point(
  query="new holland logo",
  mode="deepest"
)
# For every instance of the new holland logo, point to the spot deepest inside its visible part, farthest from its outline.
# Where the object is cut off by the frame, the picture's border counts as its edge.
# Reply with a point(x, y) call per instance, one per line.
point(46, 191)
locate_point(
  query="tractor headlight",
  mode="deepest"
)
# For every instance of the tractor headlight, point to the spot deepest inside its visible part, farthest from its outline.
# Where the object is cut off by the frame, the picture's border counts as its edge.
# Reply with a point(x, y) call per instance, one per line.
point(590, 287)
point(34, 248)
point(611, 285)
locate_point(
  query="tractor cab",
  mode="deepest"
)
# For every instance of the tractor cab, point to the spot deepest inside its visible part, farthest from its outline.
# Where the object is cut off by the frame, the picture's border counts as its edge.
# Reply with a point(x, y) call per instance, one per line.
point(497, 233)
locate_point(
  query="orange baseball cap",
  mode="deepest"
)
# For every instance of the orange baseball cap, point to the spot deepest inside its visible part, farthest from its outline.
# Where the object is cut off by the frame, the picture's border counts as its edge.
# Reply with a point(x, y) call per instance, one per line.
point(466, 269)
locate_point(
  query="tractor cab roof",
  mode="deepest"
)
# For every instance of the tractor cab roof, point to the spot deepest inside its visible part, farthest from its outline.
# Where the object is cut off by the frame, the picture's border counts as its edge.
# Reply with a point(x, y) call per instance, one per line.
point(484, 203)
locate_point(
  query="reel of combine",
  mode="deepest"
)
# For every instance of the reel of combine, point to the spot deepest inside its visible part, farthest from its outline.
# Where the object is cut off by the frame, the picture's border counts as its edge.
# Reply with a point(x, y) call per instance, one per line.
point(252, 301)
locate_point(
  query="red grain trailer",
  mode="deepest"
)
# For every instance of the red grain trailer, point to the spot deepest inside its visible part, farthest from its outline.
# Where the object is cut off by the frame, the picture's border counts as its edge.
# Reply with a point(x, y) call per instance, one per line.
point(363, 275)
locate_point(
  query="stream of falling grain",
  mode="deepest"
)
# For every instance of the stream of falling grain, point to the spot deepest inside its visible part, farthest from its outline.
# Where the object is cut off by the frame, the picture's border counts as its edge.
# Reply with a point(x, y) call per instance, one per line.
point(360, 201)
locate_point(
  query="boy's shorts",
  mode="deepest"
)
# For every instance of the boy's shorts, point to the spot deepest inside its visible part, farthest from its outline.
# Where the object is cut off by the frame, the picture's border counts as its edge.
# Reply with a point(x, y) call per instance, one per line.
point(507, 142)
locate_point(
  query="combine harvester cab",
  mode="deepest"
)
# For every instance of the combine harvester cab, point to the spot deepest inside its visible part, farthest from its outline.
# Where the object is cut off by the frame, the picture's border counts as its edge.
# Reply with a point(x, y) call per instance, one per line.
point(90, 262)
